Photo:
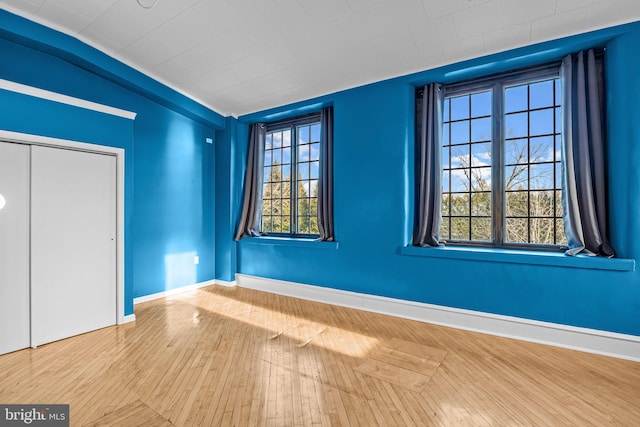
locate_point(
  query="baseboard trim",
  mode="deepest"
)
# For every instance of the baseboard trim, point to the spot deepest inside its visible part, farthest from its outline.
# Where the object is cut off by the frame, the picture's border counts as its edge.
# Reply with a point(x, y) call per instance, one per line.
point(605, 343)
point(128, 319)
point(226, 283)
point(170, 292)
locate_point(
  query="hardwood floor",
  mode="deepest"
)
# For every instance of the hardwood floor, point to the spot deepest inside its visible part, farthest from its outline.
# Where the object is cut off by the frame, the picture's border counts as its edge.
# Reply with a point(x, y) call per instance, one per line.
point(232, 356)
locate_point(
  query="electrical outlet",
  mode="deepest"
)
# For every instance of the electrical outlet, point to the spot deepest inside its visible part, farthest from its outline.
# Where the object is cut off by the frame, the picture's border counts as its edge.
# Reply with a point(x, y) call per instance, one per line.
point(196, 260)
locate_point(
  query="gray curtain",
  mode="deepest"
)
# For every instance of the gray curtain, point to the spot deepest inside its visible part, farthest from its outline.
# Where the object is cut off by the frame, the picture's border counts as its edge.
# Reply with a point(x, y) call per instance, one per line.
point(428, 194)
point(325, 184)
point(251, 215)
point(583, 152)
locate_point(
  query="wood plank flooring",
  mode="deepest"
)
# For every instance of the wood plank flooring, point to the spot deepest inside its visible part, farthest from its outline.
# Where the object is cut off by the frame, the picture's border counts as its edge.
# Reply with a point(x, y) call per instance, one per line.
point(236, 357)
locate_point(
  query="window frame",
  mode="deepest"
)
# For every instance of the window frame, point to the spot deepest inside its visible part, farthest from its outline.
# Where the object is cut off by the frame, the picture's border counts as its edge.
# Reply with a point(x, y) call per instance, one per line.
point(497, 83)
point(292, 124)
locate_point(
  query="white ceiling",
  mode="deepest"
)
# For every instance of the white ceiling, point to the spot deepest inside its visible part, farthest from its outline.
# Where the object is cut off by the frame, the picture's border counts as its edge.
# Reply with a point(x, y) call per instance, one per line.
point(241, 56)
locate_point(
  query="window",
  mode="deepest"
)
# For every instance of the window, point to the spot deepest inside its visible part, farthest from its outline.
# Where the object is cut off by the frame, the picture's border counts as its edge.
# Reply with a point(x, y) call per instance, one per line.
point(290, 178)
point(501, 161)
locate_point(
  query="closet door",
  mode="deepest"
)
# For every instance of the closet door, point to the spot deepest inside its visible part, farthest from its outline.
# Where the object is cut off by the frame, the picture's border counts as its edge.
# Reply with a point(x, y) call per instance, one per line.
point(73, 243)
point(14, 247)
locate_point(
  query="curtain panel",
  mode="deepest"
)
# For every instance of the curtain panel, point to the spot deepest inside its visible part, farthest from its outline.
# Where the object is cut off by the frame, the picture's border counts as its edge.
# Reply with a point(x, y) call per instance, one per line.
point(251, 215)
point(428, 195)
point(325, 184)
point(583, 153)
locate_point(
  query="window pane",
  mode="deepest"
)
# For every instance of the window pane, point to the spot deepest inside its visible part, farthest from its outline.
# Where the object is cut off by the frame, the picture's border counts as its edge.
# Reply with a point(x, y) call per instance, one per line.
point(313, 190)
point(460, 107)
point(286, 155)
point(266, 207)
point(517, 230)
point(313, 203)
point(460, 181)
point(460, 204)
point(541, 203)
point(286, 138)
point(481, 154)
point(314, 170)
point(558, 175)
point(445, 157)
point(304, 209)
point(516, 178)
point(561, 239)
point(303, 171)
point(286, 173)
point(516, 125)
point(446, 181)
point(481, 130)
point(303, 153)
point(542, 231)
point(542, 122)
point(542, 149)
point(315, 151)
point(277, 156)
point(303, 135)
point(481, 204)
point(481, 104)
point(460, 156)
point(541, 94)
point(267, 157)
point(515, 99)
point(267, 175)
point(541, 176)
point(558, 92)
point(516, 151)
point(267, 224)
point(460, 132)
point(444, 229)
point(516, 204)
point(445, 134)
point(559, 203)
point(445, 113)
point(460, 229)
point(315, 133)
point(480, 229)
point(277, 139)
point(481, 179)
point(445, 205)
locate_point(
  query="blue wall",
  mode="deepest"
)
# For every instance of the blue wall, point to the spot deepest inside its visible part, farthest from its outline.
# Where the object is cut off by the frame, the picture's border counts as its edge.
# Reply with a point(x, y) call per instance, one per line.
point(169, 169)
point(374, 204)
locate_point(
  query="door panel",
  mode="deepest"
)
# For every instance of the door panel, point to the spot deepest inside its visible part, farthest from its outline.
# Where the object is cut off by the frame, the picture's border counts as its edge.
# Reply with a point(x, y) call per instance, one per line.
point(73, 243)
point(14, 247)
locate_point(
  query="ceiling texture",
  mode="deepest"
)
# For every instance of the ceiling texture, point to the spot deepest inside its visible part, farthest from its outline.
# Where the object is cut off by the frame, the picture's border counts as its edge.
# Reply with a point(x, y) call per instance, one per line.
point(242, 56)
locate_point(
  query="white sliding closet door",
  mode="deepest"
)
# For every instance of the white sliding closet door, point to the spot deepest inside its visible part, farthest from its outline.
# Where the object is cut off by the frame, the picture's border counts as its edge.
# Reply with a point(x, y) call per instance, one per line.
point(73, 243)
point(14, 247)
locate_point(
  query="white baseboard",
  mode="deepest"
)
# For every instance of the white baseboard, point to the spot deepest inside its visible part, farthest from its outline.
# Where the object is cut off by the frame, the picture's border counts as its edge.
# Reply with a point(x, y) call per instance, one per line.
point(583, 339)
point(127, 319)
point(225, 283)
point(170, 292)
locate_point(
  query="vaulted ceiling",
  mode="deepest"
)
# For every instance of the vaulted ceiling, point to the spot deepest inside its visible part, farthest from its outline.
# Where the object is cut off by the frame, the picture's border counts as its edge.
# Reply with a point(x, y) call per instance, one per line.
point(241, 56)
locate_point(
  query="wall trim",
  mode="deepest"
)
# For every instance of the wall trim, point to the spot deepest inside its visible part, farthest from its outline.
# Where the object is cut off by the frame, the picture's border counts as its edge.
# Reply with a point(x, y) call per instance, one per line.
point(226, 283)
point(604, 343)
point(128, 319)
point(170, 292)
point(65, 99)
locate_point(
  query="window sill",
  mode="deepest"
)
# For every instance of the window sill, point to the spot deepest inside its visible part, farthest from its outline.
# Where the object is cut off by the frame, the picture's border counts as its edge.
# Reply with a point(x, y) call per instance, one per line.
point(288, 241)
point(521, 257)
